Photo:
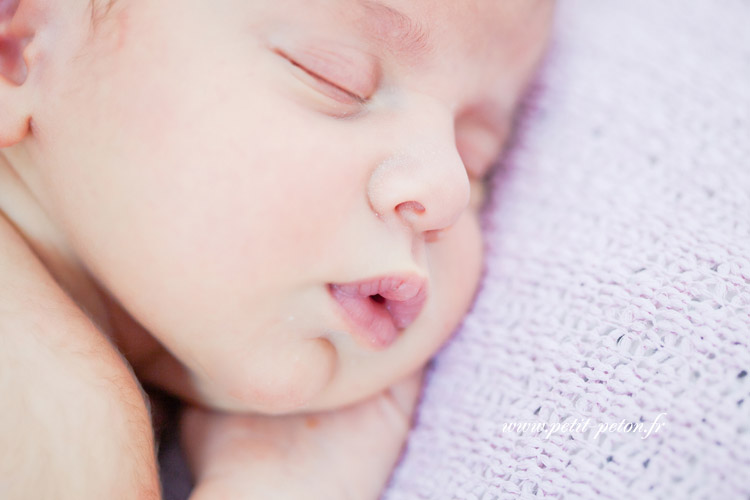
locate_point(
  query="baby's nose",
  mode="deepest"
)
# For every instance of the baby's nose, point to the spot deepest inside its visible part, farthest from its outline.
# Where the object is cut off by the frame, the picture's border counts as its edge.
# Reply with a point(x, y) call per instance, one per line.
point(425, 186)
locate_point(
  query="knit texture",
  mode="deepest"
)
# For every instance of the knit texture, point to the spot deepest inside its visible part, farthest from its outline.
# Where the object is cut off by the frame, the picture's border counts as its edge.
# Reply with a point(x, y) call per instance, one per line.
point(617, 283)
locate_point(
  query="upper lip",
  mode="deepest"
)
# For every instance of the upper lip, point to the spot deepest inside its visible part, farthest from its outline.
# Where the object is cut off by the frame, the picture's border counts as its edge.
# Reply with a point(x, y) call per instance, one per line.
point(402, 296)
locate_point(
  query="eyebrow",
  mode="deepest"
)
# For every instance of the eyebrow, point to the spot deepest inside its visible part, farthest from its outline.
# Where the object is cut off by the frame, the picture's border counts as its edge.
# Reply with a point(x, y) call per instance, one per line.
point(399, 33)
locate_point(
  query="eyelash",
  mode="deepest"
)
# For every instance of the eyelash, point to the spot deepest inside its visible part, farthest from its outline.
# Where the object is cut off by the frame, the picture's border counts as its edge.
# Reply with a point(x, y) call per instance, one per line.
point(340, 91)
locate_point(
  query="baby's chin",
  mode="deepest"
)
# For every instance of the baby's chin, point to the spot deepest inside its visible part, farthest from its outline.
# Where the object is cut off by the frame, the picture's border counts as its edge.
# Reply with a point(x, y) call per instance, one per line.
point(271, 383)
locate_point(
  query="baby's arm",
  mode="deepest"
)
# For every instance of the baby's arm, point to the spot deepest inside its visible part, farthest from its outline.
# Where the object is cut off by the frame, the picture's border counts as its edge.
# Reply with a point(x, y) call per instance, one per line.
point(336, 455)
point(73, 421)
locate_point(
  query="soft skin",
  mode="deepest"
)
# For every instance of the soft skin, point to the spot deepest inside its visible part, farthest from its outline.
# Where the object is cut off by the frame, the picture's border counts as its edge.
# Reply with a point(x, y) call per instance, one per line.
point(195, 190)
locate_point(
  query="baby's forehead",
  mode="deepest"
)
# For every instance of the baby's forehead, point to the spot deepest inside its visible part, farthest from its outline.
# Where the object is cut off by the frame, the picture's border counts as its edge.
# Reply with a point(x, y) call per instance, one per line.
point(418, 26)
point(495, 36)
point(480, 44)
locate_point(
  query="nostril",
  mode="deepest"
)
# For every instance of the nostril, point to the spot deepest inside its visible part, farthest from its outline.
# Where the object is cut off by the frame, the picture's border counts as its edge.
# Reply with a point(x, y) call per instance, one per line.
point(415, 206)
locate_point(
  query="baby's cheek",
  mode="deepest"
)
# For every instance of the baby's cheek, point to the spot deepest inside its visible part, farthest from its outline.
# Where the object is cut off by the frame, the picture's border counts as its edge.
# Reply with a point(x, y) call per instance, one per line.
point(462, 247)
point(458, 256)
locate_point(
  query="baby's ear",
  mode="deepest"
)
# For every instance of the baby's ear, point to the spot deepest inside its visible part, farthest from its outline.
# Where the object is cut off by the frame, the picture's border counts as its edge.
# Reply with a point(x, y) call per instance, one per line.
point(17, 20)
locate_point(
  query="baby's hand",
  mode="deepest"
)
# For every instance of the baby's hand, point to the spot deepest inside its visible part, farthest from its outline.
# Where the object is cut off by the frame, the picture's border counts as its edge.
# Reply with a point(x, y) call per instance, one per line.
point(342, 454)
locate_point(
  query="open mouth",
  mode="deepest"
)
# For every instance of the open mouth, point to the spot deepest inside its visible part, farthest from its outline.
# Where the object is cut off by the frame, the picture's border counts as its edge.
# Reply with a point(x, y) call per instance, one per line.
point(378, 309)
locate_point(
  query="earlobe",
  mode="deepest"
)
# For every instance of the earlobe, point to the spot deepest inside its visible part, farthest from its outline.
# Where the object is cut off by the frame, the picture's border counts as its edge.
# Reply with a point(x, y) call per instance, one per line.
point(15, 36)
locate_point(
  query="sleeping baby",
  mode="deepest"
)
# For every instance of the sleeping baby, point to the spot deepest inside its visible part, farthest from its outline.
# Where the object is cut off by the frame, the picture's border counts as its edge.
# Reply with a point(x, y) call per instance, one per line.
point(268, 209)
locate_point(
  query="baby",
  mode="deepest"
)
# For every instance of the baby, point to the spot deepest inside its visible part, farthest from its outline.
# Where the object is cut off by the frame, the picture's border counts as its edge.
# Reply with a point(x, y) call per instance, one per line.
point(266, 208)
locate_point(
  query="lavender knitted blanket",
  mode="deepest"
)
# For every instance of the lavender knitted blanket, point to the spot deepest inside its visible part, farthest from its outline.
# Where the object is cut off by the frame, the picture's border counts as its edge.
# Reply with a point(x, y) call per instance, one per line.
point(617, 290)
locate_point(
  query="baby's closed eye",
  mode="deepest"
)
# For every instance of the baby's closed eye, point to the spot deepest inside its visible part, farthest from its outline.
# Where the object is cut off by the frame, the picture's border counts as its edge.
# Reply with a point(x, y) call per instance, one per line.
point(342, 74)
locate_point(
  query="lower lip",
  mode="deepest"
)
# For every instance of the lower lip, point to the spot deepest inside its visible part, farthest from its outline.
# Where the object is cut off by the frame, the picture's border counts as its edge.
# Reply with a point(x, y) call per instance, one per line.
point(369, 320)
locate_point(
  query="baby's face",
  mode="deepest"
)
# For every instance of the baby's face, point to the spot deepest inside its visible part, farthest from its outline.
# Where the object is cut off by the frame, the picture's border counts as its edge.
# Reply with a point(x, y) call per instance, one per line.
point(228, 168)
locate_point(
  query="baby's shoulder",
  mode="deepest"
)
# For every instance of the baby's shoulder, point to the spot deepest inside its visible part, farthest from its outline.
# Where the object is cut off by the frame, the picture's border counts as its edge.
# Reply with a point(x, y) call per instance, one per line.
point(34, 308)
point(58, 370)
point(35, 312)
point(43, 328)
